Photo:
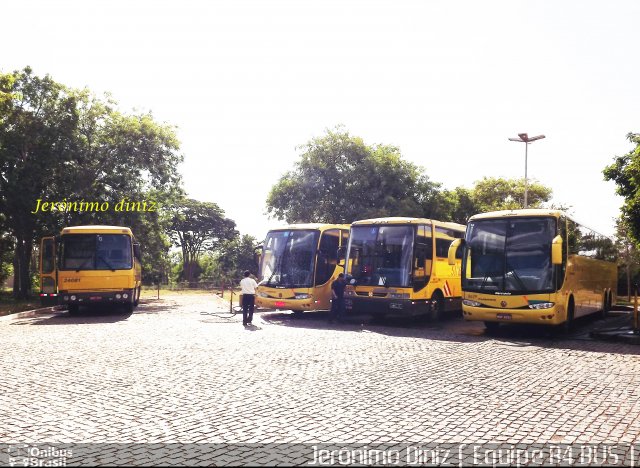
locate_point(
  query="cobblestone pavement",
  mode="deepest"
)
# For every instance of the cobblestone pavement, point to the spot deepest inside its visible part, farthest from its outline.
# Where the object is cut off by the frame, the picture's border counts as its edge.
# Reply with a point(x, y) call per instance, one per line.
point(182, 370)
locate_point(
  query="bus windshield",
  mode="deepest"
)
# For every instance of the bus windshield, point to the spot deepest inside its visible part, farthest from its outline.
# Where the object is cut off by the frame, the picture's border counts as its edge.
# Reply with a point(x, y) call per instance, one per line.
point(509, 255)
point(288, 258)
point(96, 252)
point(381, 255)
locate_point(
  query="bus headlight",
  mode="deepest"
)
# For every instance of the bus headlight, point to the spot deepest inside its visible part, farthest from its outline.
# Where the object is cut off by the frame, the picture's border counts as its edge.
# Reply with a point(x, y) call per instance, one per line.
point(73, 298)
point(349, 292)
point(398, 296)
point(262, 294)
point(303, 296)
point(541, 305)
point(118, 296)
point(125, 295)
point(469, 303)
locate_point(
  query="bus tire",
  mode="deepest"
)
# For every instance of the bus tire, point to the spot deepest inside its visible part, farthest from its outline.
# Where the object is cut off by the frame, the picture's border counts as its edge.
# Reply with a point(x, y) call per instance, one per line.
point(567, 326)
point(127, 309)
point(436, 312)
point(137, 295)
point(73, 309)
point(603, 311)
point(491, 326)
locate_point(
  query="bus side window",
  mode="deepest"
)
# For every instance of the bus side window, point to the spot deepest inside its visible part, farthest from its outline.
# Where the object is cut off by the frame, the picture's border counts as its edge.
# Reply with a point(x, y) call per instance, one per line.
point(327, 255)
point(422, 259)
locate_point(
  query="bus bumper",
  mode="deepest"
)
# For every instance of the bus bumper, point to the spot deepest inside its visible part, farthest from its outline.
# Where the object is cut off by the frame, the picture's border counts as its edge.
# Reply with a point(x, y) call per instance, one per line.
point(287, 304)
point(47, 300)
point(123, 296)
point(386, 307)
point(551, 316)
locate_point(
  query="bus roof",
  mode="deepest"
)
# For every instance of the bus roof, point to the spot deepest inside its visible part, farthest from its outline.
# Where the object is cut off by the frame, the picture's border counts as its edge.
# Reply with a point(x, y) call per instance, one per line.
point(407, 220)
point(307, 226)
point(522, 212)
point(97, 229)
point(532, 212)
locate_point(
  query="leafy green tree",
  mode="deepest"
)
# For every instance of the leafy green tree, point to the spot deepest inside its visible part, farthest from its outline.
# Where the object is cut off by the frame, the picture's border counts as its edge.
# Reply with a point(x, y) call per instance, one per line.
point(625, 172)
point(196, 227)
point(491, 193)
point(339, 179)
point(61, 144)
point(628, 258)
point(236, 256)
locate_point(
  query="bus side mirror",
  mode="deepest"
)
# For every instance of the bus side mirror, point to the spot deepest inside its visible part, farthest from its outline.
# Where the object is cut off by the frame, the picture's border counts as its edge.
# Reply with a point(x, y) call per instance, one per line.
point(556, 250)
point(341, 256)
point(453, 248)
point(136, 251)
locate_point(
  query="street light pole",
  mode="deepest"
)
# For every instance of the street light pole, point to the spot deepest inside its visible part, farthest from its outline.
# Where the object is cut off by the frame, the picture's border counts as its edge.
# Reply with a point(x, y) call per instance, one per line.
point(524, 138)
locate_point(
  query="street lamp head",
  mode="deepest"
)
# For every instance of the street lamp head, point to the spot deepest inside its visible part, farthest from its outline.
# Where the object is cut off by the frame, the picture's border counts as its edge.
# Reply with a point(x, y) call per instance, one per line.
point(524, 138)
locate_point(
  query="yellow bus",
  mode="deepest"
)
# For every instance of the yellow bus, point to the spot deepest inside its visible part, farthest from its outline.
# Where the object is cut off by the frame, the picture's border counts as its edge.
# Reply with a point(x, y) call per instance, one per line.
point(534, 266)
point(398, 266)
point(90, 265)
point(298, 264)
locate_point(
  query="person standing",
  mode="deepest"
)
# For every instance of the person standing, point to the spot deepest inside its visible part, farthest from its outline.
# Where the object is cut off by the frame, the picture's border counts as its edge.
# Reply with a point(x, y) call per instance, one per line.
point(248, 288)
point(337, 298)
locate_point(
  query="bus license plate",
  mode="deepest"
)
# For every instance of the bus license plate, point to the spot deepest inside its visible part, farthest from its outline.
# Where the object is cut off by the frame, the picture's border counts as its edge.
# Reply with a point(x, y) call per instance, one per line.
point(503, 316)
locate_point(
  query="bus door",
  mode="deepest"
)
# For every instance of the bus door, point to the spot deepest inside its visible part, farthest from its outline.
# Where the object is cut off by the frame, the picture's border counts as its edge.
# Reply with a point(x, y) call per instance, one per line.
point(48, 272)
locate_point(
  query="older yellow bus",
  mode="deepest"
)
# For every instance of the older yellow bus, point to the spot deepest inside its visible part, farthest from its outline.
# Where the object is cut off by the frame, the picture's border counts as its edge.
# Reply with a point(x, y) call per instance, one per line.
point(398, 266)
point(298, 264)
point(534, 266)
point(89, 265)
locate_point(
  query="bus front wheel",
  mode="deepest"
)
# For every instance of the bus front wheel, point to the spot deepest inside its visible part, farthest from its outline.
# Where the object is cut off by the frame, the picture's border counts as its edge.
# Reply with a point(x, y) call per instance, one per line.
point(491, 326)
point(437, 307)
point(137, 296)
point(567, 326)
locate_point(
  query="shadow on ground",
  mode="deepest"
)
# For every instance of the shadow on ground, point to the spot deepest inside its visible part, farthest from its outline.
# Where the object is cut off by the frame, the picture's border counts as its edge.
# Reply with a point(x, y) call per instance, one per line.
point(452, 328)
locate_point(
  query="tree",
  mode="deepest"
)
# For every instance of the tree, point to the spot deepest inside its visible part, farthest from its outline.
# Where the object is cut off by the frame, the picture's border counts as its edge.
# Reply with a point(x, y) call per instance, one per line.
point(238, 255)
point(491, 194)
point(625, 172)
point(339, 179)
point(628, 255)
point(60, 144)
point(198, 226)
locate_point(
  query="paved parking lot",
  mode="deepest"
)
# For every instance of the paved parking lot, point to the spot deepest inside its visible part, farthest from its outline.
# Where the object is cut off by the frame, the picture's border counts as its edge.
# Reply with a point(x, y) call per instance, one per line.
point(183, 371)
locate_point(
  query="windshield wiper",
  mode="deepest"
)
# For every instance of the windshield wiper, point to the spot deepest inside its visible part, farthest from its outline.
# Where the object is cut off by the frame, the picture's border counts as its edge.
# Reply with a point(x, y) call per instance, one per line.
point(100, 257)
point(83, 264)
point(515, 275)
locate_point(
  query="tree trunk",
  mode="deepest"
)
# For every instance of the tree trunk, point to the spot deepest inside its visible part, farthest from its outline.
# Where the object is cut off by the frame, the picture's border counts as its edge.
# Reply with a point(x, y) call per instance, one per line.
point(21, 266)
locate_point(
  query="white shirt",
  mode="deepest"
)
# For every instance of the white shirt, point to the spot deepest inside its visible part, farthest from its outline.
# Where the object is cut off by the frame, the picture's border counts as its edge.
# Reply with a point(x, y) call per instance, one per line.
point(248, 285)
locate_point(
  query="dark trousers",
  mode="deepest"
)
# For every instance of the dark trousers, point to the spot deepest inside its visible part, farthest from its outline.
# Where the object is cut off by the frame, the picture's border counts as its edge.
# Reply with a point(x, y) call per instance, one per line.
point(248, 302)
point(337, 308)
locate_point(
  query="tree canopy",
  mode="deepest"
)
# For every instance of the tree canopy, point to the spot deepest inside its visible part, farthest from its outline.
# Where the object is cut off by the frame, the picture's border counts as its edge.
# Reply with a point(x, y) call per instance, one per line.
point(196, 227)
point(59, 144)
point(339, 178)
point(625, 172)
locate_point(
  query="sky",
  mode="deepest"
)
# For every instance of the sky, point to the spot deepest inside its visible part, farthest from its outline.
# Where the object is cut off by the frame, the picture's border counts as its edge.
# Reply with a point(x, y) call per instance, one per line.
point(246, 83)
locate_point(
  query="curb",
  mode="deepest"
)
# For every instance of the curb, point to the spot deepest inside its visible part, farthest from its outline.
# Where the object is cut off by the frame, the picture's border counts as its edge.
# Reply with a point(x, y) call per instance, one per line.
point(30, 313)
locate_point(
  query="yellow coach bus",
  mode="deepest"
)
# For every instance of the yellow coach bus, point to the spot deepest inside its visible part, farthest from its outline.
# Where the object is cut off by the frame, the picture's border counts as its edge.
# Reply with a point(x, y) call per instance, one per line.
point(298, 264)
point(534, 266)
point(398, 266)
point(88, 265)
